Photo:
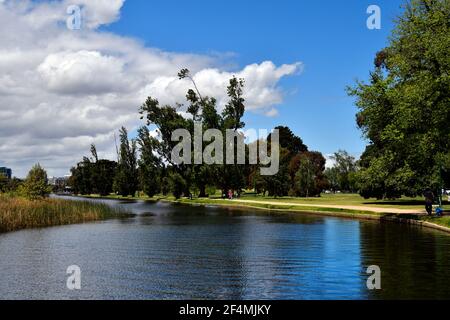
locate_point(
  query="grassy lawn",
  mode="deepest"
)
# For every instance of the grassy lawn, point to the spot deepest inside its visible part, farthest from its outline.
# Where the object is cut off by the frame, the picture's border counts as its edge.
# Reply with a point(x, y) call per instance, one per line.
point(325, 199)
point(283, 207)
point(350, 200)
point(442, 221)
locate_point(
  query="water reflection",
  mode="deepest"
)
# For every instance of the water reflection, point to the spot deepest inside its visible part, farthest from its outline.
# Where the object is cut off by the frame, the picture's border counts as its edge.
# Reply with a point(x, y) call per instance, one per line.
point(170, 251)
point(414, 262)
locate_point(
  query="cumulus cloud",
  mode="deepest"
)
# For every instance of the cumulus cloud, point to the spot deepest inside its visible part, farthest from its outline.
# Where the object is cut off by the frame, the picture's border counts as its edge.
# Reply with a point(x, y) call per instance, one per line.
point(61, 89)
point(82, 72)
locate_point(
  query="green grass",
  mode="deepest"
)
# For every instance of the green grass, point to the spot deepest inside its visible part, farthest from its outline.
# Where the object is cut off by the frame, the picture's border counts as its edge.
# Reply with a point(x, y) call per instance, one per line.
point(18, 213)
point(325, 199)
point(350, 200)
point(206, 201)
point(442, 221)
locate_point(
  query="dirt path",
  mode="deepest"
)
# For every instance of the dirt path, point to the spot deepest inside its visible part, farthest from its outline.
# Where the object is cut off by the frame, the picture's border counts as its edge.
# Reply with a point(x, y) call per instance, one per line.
point(345, 207)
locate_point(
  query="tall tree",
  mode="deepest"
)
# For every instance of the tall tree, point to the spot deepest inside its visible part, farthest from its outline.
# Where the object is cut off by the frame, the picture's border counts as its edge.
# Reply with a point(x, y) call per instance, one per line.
point(305, 178)
point(332, 176)
point(307, 173)
point(404, 109)
point(93, 175)
point(149, 164)
point(203, 109)
point(126, 180)
point(345, 167)
point(102, 174)
point(278, 185)
point(289, 140)
point(81, 177)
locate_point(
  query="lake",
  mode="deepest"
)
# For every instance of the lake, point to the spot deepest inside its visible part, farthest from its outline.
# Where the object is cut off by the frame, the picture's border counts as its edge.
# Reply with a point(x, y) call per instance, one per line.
point(169, 251)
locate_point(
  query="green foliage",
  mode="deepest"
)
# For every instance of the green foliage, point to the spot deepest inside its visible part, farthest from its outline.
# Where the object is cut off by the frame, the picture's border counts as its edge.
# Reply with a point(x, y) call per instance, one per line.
point(292, 151)
point(404, 109)
point(342, 175)
point(4, 181)
point(332, 176)
point(290, 141)
point(149, 164)
point(305, 178)
point(17, 213)
point(202, 108)
point(278, 185)
point(126, 179)
point(234, 110)
point(103, 172)
point(165, 186)
point(307, 174)
point(93, 175)
point(177, 185)
point(36, 184)
point(9, 185)
point(211, 190)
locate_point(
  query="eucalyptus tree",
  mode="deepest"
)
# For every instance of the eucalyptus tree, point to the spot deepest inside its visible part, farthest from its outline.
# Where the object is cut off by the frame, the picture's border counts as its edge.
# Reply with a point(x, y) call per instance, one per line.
point(126, 181)
point(404, 109)
point(202, 109)
point(149, 163)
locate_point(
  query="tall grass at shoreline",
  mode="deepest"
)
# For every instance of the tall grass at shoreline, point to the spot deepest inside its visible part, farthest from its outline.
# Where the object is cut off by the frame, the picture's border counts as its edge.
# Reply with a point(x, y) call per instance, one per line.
point(18, 213)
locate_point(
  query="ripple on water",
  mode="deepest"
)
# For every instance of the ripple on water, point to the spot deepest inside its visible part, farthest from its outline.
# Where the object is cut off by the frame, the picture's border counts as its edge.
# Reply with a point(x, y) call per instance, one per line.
point(177, 252)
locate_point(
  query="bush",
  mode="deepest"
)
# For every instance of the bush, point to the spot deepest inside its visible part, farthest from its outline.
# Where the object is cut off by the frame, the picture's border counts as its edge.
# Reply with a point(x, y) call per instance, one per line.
point(177, 185)
point(35, 186)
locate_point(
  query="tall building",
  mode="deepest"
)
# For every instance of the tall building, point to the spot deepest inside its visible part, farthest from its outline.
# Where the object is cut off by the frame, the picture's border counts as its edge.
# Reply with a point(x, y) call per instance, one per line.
point(6, 172)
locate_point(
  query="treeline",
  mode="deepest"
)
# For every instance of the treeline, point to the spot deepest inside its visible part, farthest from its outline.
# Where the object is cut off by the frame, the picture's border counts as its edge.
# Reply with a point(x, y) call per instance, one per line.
point(34, 186)
point(145, 163)
point(9, 185)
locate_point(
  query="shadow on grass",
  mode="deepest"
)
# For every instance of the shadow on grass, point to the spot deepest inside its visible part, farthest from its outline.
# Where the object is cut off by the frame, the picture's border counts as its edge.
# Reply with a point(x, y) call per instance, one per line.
point(397, 203)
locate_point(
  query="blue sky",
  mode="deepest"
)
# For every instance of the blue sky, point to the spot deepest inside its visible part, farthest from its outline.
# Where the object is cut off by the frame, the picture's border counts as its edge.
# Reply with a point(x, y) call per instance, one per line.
point(89, 82)
point(330, 38)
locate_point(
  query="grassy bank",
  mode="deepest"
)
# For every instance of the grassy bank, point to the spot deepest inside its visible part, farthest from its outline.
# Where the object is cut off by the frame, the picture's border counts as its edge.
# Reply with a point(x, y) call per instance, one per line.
point(404, 203)
point(271, 206)
point(289, 204)
point(442, 221)
point(342, 205)
point(18, 213)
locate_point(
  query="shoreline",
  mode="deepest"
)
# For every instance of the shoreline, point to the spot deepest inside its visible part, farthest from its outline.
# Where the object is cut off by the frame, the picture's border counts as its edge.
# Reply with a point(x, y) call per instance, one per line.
point(412, 218)
point(389, 217)
point(17, 213)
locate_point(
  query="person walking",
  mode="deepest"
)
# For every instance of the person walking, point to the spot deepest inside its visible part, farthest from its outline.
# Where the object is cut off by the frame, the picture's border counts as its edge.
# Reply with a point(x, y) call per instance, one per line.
point(429, 199)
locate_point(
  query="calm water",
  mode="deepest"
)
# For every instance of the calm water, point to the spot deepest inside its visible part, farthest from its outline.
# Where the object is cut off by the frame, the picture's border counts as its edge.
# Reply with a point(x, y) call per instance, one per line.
point(181, 252)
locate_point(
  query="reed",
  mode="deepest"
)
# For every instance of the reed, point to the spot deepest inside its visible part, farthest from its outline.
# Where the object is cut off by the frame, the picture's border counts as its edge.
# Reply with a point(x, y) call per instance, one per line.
point(17, 213)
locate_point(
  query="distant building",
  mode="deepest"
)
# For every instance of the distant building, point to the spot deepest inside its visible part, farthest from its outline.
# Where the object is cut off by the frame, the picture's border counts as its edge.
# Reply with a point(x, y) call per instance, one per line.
point(59, 182)
point(6, 172)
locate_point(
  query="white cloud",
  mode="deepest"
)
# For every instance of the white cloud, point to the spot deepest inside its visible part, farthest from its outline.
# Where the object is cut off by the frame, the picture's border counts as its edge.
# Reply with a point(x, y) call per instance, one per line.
point(82, 72)
point(61, 90)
